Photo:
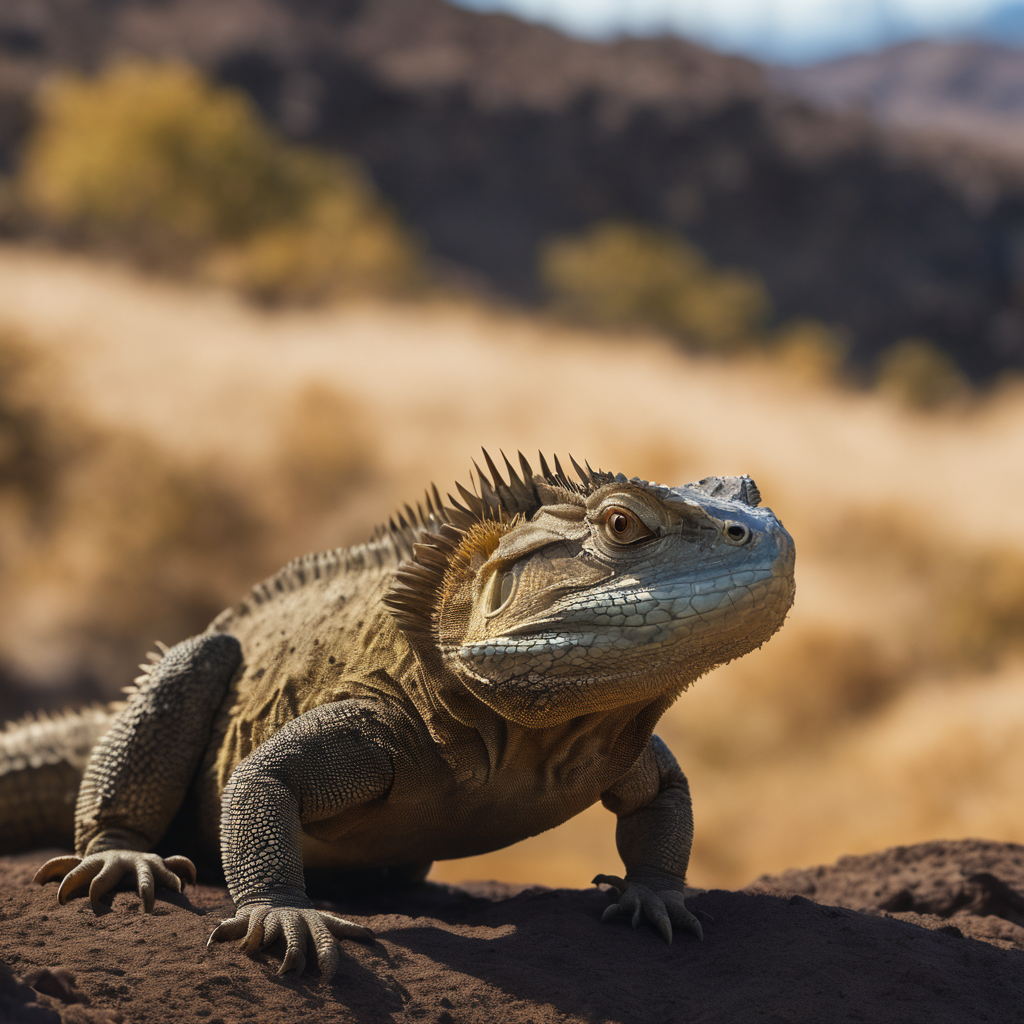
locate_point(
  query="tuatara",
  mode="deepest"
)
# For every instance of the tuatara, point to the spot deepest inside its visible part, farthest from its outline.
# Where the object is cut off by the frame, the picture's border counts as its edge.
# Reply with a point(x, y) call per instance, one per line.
point(483, 670)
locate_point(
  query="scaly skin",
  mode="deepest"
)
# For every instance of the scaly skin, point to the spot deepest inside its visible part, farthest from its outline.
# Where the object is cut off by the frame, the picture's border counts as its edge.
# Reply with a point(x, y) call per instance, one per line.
point(479, 674)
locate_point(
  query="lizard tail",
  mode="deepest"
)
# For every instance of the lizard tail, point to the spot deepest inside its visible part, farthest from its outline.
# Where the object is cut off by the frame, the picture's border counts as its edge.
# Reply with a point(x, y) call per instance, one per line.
point(42, 758)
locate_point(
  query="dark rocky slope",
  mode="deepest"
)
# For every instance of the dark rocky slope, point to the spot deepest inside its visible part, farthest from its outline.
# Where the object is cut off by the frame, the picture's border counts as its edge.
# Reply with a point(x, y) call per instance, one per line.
point(491, 135)
point(486, 953)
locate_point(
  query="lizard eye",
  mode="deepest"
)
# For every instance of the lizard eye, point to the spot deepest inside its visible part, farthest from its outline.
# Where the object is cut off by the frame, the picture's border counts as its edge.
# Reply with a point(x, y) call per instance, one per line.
point(737, 533)
point(622, 526)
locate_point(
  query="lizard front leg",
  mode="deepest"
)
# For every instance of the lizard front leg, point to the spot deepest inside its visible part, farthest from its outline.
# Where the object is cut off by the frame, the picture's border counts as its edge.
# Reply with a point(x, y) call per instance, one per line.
point(320, 765)
point(654, 835)
point(139, 772)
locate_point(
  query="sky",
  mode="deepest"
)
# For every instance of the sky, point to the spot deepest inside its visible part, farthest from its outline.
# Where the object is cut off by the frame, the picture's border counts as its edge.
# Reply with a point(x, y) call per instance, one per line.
point(785, 31)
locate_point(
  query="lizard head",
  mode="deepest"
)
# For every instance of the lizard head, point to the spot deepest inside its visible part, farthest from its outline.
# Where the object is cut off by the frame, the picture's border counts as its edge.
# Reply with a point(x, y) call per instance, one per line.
point(562, 598)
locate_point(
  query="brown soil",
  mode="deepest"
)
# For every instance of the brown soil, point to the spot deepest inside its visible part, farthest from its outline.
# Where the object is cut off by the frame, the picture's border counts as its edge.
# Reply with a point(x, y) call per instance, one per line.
point(928, 933)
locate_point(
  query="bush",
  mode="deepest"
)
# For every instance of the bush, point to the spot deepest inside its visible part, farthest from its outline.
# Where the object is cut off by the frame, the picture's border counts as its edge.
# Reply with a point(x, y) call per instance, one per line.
point(154, 160)
point(809, 350)
point(918, 374)
point(623, 275)
point(342, 245)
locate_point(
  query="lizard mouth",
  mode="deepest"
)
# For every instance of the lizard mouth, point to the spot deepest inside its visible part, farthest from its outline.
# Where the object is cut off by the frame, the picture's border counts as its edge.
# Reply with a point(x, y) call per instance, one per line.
point(653, 608)
point(645, 625)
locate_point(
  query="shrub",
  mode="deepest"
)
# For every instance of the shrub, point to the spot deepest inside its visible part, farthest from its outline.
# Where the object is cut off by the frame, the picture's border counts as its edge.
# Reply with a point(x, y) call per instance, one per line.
point(342, 245)
point(154, 160)
point(918, 374)
point(810, 350)
point(623, 275)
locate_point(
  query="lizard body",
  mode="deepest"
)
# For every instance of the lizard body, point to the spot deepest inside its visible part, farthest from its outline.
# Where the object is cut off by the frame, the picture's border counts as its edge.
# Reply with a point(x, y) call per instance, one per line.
point(484, 670)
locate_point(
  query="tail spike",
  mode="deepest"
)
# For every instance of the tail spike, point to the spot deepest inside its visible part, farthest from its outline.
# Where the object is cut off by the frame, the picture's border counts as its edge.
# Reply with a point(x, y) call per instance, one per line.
point(545, 469)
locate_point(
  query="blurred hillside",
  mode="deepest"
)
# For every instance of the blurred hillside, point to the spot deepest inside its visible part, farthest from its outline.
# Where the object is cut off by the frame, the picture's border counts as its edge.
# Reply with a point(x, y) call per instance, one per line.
point(491, 137)
point(968, 89)
point(162, 446)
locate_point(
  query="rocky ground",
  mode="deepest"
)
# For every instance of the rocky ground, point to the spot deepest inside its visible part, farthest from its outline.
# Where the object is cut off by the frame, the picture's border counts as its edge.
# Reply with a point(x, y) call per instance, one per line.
point(930, 933)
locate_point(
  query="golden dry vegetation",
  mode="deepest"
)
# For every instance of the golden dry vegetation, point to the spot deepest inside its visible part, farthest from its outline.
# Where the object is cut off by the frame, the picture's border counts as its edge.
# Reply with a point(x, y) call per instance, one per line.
point(162, 446)
point(154, 162)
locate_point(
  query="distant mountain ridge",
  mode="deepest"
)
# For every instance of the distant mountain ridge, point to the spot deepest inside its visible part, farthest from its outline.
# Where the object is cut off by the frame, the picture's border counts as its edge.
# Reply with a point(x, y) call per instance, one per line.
point(969, 89)
point(491, 135)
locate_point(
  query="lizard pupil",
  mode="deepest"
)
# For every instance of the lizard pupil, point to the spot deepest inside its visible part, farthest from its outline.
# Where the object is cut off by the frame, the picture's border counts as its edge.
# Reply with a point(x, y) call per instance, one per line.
point(738, 533)
point(620, 524)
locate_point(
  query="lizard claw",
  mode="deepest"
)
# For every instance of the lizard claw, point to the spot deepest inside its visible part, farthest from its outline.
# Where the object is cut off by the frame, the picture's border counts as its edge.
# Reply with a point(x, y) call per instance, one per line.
point(102, 871)
point(55, 867)
point(657, 897)
point(258, 925)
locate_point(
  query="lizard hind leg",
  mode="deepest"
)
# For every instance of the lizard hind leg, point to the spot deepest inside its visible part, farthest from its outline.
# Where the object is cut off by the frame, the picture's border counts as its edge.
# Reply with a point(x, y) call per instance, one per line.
point(139, 772)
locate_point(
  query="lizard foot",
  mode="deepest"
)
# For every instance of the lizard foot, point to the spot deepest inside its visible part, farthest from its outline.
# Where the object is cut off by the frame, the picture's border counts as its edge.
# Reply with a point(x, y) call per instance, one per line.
point(260, 924)
point(654, 895)
point(103, 870)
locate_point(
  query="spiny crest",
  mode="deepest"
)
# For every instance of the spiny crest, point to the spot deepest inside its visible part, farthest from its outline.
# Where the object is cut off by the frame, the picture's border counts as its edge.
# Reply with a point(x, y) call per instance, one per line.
point(430, 541)
point(37, 720)
point(423, 539)
point(494, 498)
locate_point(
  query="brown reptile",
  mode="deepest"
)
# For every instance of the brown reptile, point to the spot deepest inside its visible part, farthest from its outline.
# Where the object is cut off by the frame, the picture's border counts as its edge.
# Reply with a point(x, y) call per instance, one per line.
point(485, 669)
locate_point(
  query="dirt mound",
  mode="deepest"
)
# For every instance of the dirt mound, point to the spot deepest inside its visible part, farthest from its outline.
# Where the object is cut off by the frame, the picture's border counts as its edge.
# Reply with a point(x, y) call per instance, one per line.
point(971, 887)
point(488, 952)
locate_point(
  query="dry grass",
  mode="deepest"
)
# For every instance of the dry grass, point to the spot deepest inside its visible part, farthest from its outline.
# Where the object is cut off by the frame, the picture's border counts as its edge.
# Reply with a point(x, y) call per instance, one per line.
point(224, 440)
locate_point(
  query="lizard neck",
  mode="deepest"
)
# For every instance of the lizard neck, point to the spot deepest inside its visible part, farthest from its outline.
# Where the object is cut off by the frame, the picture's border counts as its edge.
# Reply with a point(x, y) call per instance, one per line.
point(478, 742)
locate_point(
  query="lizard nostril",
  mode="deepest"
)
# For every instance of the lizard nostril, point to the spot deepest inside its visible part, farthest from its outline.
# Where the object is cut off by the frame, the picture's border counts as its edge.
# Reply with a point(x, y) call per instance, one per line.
point(737, 533)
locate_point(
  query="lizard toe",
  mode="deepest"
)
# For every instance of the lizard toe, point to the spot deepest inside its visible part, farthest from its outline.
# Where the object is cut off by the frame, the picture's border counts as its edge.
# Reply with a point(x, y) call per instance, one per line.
point(111, 872)
point(681, 915)
point(342, 928)
point(256, 931)
point(79, 876)
point(296, 931)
